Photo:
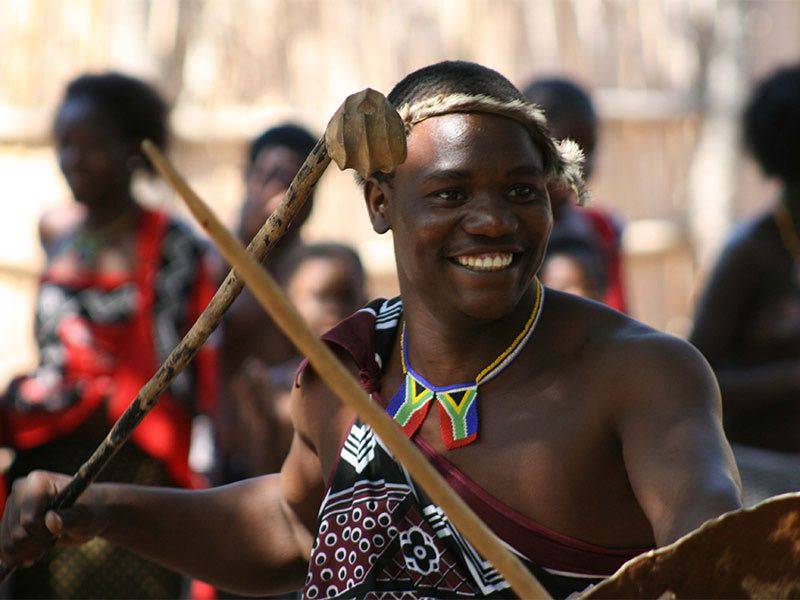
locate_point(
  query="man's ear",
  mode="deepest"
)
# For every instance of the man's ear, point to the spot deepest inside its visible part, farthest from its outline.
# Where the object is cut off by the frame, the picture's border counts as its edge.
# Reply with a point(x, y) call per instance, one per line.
point(376, 195)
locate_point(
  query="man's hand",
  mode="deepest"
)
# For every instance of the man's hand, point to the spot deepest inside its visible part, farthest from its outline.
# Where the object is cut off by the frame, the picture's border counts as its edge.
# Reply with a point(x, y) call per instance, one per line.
point(29, 529)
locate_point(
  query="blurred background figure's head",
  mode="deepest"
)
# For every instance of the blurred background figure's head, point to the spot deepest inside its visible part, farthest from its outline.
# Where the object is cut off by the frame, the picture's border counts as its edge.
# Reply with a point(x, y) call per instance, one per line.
point(326, 283)
point(576, 266)
point(98, 129)
point(273, 159)
point(771, 125)
point(570, 114)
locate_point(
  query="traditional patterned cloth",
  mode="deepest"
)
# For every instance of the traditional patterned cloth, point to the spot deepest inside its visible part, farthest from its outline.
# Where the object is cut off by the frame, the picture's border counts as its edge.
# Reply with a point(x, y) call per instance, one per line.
point(379, 536)
point(100, 338)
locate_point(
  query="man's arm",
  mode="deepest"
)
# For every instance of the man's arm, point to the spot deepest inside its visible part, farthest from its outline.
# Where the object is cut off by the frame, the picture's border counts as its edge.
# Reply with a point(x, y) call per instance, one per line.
point(251, 537)
point(668, 419)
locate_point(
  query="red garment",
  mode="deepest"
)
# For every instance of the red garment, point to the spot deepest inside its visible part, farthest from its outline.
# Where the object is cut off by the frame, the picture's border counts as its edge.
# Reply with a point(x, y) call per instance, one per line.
point(108, 362)
point(609, 233)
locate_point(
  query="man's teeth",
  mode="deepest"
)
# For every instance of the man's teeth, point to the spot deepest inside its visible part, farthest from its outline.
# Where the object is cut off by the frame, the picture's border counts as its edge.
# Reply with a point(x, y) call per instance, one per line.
point(485, 262)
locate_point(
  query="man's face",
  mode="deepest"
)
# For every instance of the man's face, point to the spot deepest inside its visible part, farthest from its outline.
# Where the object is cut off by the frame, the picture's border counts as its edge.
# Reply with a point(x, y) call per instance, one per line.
point(470, 214)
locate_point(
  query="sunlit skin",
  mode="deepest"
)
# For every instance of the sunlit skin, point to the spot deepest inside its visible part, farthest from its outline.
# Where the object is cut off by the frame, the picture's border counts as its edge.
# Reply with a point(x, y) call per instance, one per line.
point(602, 429)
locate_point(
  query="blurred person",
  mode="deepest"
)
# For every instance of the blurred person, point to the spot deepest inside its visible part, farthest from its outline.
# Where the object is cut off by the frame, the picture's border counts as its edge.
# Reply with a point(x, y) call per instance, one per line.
point(594, 438)
point(250, 339)
point(326, 283)
point(571, 114)
point(121, 284)
point(575, 266)
point(747, 322)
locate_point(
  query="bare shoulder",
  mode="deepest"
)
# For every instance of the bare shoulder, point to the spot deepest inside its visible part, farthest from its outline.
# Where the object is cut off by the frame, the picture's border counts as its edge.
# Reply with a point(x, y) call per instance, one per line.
point(57, 222)
point(632, 362)
point(319, 417)
point(655, 366)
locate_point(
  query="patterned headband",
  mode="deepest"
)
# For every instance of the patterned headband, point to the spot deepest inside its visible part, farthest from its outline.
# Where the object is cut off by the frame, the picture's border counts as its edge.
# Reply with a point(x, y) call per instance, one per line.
point(563, 160)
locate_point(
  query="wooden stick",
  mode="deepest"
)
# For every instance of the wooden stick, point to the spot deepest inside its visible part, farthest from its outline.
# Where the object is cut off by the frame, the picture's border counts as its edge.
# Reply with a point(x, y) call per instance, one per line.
point(341, 381)
point(296, 196)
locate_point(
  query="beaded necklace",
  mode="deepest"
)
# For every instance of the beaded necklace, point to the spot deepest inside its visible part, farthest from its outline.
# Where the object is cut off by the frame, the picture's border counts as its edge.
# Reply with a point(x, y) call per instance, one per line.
point(458, 403)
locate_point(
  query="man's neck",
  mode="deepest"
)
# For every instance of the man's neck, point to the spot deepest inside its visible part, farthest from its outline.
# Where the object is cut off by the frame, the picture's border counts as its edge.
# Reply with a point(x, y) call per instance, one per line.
point(455, 348)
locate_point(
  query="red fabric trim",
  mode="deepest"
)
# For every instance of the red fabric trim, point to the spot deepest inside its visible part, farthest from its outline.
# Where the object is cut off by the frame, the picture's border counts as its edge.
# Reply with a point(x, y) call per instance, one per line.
point(84, 279)
point(165, 433)
point(28, 430)
point(609, 234)
point(541, 545)
point(200, 590)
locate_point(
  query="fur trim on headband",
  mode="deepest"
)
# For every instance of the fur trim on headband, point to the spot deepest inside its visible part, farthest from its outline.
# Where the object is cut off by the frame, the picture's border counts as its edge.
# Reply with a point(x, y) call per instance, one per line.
point(572, 160)
point(518, 110)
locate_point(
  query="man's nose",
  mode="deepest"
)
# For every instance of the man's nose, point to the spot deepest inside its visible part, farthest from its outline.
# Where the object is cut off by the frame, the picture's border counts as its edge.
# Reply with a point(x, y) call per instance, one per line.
point(490, 216)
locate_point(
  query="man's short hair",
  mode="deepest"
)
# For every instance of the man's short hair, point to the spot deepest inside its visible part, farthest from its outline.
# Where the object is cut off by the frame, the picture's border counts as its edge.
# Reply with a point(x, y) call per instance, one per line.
point(561, 98)
point(294, 137)
point(453, 77)
point(134, 107)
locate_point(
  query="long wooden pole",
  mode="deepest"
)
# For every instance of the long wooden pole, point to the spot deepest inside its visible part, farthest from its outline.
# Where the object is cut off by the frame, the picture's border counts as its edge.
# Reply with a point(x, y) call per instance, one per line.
point(344, 385)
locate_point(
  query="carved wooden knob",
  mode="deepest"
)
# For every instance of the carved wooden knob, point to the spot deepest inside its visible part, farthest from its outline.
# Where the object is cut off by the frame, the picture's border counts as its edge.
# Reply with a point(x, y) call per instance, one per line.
point(366, 134)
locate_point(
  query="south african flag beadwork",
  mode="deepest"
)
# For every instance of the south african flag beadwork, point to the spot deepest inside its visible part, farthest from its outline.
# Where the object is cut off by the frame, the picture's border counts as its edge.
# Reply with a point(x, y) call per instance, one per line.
point(458, 404)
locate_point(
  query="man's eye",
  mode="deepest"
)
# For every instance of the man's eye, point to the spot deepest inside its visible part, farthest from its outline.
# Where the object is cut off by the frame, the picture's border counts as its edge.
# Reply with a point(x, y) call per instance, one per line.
point(449, 196)
point(522, 192)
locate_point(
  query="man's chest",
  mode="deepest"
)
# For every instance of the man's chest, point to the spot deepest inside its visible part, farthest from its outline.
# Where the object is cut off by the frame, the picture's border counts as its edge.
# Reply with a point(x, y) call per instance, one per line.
point(537, 443)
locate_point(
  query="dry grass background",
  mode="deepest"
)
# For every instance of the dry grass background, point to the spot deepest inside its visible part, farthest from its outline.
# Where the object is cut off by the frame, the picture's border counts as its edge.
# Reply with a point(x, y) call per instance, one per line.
point(668, 77)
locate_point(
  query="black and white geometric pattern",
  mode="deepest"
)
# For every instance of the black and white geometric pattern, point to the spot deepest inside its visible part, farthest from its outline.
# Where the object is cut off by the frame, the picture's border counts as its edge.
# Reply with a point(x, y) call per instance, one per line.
point(180, 253)
point(359, 447)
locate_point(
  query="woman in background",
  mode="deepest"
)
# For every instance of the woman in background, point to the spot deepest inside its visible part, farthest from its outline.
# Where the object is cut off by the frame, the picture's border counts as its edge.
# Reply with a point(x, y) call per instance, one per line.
point(121, 285)
point(748, 318)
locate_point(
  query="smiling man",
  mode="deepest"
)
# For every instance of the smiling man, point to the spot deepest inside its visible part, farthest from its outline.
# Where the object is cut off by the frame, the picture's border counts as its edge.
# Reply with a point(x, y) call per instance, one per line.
point(580, 436)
